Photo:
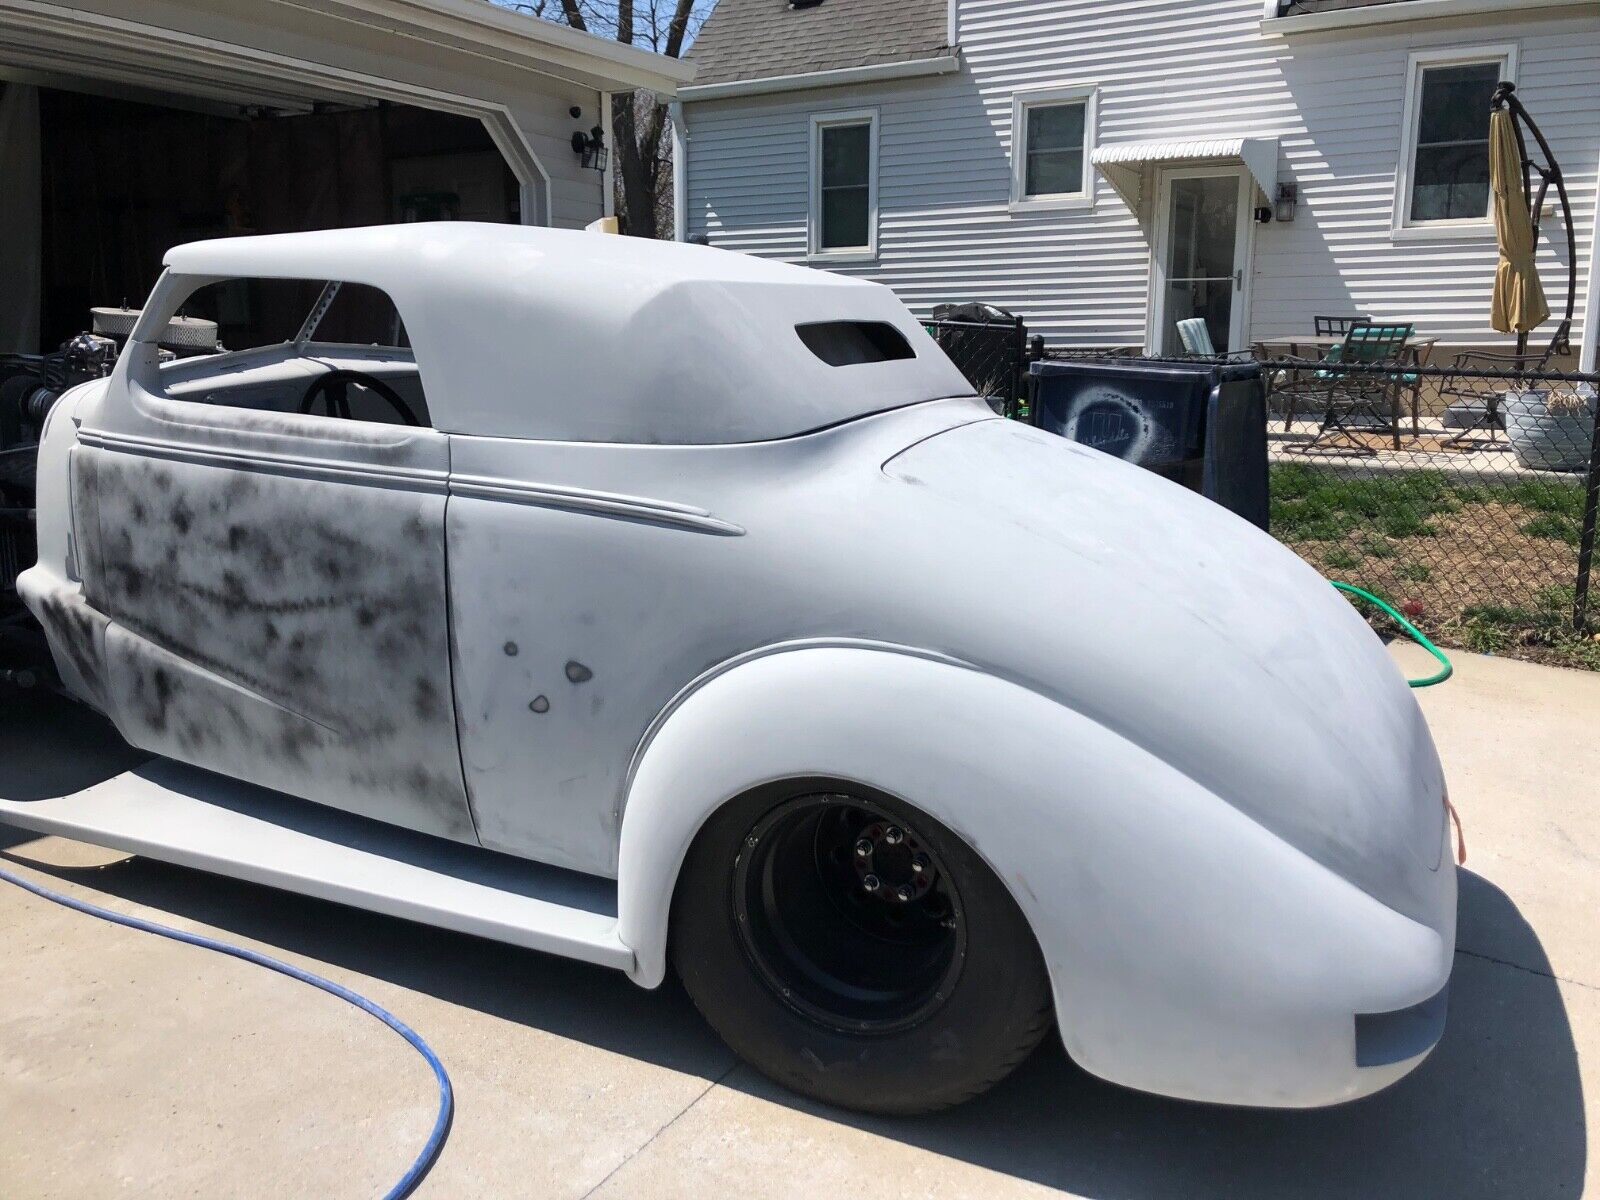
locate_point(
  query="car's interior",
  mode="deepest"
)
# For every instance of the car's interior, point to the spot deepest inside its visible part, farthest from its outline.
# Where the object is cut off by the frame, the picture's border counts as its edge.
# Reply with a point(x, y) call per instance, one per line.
point(360, 368)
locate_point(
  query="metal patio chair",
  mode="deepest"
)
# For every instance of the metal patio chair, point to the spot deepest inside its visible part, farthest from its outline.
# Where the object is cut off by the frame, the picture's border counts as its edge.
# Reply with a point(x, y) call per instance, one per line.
point(1196, 338)
point(1476, 380)
point(1339, 326)
point(1290, 383)
point(1195, 335)
point(1348, 396)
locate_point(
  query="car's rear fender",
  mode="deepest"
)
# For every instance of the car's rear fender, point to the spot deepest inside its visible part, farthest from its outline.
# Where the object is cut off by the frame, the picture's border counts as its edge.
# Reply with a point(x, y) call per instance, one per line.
point(1191, 951)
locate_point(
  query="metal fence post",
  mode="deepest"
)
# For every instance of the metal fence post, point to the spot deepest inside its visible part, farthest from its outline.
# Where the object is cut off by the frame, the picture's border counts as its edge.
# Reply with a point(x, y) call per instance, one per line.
point(1019, 369)
point(1580, 592)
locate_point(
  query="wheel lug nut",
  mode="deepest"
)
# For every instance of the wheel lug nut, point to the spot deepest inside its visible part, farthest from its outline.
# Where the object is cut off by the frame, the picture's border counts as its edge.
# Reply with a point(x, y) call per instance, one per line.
point(871, 883)
point(863, 848)
point(903, 894)
point(919, 864)
point(893, 836)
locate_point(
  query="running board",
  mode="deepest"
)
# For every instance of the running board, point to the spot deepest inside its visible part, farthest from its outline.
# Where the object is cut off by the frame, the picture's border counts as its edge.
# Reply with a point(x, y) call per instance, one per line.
point(179, 814)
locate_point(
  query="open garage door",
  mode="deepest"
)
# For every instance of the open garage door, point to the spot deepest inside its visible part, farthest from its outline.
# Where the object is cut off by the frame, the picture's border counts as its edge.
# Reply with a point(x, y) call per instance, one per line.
point(120, 181)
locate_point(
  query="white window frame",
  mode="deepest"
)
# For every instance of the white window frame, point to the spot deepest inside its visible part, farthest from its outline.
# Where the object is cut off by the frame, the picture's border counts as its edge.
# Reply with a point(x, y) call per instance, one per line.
point(1403, 228)
point(1086, 94)
point(842, 254)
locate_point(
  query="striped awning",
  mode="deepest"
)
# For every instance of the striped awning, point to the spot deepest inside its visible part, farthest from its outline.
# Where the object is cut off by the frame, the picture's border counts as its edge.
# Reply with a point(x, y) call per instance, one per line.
point(1123, 163)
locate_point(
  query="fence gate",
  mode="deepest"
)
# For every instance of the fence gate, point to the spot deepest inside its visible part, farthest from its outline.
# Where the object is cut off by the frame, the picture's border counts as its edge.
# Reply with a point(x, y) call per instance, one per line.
point(993, 355)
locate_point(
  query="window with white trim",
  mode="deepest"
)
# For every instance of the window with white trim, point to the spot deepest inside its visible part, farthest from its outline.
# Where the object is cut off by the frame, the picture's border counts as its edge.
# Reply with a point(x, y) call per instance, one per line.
point(1053, 136)
point(844, 184)
point(1445, 165)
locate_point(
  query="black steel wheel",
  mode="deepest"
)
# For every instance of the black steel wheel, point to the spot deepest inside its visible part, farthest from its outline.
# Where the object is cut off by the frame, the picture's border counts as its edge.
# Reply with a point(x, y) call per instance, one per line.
point(856, 950)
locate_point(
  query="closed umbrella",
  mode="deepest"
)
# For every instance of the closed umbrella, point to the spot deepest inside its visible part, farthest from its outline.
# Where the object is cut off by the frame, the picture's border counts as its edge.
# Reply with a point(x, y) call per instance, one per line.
point(1519, 303)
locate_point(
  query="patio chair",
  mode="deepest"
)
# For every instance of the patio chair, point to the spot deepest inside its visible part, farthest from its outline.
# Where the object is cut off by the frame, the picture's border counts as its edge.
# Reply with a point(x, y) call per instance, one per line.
point(1349, 395)
point(1294, 378)
point(1339, 326)
point(1476, 380)
point(1195, 335)
point(1290, 382)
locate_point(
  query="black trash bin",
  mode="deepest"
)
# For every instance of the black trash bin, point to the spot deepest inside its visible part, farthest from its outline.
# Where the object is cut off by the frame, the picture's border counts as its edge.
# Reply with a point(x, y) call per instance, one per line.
point(1201, 424)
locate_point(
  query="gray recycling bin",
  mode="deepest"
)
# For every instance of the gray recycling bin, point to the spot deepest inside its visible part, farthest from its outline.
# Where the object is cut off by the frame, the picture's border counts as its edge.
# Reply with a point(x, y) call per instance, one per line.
point(1201, 424)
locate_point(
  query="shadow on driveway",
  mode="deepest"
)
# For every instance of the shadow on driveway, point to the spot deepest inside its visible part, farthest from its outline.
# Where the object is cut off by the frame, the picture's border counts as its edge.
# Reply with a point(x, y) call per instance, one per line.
point(1496, 1111)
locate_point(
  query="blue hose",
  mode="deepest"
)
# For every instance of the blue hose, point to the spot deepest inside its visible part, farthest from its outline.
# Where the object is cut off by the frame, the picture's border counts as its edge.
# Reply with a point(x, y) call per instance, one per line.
point(441, 1124)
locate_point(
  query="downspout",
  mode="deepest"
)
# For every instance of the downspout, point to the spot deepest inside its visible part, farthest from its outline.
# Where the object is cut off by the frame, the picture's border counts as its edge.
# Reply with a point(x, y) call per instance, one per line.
point(608, 177)
point(1589, 344)
point(680, 173)
point(952, 24)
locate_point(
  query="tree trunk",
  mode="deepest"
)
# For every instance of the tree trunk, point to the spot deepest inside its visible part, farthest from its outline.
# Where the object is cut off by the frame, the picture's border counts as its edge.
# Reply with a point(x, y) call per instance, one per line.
point(639, 139)
point(636, 169)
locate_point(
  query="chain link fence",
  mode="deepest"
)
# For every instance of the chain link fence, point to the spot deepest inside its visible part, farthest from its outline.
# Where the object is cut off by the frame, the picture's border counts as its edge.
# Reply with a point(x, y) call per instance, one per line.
point(993, 355)
point(1464, 494)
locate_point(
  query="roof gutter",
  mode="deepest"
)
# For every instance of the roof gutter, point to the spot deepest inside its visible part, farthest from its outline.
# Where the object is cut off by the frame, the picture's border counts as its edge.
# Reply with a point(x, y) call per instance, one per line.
point(512, 38)
point(1370, 15)
point(680, 172)
point(943, 64)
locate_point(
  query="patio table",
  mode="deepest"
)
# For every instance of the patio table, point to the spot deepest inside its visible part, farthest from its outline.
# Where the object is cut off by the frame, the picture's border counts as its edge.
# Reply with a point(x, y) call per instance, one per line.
point(1312, 350)
point(1291, 345)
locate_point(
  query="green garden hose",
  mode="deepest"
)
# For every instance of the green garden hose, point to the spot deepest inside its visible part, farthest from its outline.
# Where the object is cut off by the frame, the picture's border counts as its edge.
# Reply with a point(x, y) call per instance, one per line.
point(1417, 635)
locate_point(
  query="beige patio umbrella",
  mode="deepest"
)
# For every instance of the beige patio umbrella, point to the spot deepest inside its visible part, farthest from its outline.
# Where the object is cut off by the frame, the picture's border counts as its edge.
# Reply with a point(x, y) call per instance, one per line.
point(1519, 303)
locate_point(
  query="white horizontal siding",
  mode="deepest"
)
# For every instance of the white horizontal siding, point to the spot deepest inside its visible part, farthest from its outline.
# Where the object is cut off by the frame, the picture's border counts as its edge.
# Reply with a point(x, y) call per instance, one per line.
point(1165, 70)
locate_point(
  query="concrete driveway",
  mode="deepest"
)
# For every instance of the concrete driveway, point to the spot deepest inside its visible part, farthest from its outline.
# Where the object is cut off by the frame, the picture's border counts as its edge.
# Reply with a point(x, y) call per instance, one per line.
point(135, 1066)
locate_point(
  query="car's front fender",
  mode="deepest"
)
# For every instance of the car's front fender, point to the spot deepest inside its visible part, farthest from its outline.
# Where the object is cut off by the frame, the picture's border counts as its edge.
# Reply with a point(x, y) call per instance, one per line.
point(1191, 951)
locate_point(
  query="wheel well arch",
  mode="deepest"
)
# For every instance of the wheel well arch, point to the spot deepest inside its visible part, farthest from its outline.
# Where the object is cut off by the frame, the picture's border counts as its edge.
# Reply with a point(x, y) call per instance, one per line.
point(738, 735)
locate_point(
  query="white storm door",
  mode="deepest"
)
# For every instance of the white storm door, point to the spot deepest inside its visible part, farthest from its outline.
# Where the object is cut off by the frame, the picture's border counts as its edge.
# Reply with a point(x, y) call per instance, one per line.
point(1202, 259)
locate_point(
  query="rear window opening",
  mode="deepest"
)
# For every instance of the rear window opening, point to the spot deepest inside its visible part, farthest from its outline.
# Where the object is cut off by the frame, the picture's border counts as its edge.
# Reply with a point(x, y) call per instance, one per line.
point(310, 347)
point(845, 343)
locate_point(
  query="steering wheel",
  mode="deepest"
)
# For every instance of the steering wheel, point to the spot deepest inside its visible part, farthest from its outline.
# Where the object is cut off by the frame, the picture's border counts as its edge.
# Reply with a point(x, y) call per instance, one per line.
point(336, 384)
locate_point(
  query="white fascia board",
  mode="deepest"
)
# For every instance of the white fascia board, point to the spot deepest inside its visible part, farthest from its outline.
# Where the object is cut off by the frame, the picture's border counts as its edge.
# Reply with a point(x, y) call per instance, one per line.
point(515, 38)
point(944, 64)
point(1405, 11)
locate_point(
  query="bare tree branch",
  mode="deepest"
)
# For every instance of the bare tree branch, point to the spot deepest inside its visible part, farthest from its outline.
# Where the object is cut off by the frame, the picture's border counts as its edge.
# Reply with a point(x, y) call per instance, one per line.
point(574, 15)
point(642, 149)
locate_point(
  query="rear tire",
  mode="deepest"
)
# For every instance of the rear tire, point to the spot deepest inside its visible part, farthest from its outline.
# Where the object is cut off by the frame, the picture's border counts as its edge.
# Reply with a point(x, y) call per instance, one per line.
point(856, 950)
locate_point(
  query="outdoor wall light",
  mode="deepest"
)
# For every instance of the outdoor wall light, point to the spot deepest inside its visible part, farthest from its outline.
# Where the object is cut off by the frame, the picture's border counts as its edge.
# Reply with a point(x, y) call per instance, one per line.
point(1283, 207)
point(591, 148)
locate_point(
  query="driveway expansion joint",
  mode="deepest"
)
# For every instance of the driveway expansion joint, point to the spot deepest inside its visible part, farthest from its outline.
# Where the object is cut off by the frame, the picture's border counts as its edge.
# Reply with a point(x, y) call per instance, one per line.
point(1516, 966)
point(671, 1121)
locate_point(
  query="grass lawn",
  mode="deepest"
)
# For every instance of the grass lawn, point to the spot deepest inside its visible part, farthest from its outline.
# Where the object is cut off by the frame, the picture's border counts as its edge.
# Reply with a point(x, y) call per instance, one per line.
point(1492, 564)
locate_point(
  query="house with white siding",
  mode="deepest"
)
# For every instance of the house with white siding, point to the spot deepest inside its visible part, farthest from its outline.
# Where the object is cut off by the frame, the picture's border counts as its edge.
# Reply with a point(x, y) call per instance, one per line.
point(1108, 167)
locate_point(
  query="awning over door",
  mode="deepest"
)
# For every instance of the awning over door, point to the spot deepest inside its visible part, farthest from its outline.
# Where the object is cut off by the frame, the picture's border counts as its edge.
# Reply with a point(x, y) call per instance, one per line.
point(1123, 164)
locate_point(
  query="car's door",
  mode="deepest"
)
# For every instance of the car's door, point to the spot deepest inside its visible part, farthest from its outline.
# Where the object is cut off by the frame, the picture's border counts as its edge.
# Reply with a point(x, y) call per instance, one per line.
point(276, 590)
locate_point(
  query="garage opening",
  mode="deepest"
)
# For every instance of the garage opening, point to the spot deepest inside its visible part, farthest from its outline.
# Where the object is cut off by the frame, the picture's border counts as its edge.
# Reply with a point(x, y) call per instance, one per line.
point(99, 187)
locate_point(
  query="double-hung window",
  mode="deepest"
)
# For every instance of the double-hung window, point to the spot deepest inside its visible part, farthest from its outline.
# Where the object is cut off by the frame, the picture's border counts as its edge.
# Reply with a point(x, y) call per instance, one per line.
point(1052, 136)
point(1444, 166)
point(844, 185)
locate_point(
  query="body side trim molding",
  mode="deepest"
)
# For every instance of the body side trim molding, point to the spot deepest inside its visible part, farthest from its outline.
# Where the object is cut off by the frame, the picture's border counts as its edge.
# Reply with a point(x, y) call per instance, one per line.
point(598, 503)
point(415, 478)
